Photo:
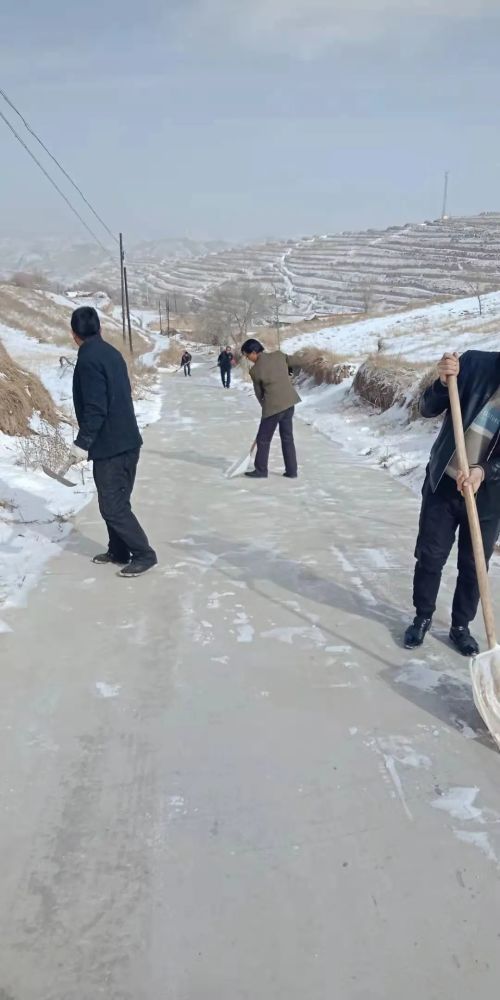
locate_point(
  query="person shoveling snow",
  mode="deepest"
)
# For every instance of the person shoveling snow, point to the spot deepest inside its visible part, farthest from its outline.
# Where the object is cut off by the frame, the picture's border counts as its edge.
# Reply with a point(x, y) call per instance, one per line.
point(277, 396)
point(443, 505)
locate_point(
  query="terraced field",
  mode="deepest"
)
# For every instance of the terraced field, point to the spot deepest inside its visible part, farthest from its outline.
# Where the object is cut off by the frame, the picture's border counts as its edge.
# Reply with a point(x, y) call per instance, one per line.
point(347, 272)
point(344, 272)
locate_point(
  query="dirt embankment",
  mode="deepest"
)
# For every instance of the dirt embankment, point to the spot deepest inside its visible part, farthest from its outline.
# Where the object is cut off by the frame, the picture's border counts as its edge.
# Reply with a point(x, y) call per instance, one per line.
point(21, 395)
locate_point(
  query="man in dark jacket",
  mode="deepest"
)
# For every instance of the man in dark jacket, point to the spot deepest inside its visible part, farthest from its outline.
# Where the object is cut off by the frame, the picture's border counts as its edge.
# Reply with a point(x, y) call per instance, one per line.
point(443, 506)
point(108, 432)
point(277, 396)
point(186, 363)
point(225, 361)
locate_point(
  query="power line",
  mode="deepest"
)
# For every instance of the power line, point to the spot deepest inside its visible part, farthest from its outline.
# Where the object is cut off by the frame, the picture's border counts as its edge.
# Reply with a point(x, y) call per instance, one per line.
point(56, 161)
point(51, 181)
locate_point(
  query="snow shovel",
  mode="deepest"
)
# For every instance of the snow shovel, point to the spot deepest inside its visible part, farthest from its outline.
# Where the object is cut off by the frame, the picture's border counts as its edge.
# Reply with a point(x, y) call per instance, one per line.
point(485, 667)
point(58, 476)
point(240, 467)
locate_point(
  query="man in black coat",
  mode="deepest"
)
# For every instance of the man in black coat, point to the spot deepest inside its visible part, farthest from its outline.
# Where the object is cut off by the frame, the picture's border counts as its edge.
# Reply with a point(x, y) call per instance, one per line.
point(225, 361)
point(109, 434)
point(186, 362)
point(443, 506)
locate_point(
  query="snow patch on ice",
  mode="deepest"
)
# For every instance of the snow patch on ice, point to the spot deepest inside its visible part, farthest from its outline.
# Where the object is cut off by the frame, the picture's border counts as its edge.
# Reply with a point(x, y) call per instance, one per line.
point(106, 690)
point(289, 634)
point(459, 804)
point(477, 839)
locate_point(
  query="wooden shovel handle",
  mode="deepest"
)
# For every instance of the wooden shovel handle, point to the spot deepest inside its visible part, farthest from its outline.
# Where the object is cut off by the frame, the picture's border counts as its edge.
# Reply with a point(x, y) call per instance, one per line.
point(474, 525)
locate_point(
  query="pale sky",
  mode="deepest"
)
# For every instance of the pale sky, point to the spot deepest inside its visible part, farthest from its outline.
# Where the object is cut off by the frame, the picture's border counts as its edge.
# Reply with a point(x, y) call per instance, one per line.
point(250, 118)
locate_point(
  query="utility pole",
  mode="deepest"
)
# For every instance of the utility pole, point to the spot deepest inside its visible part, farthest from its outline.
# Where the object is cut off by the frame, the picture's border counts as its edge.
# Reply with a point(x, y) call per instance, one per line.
point(159, 309)
point(128, 309)
point(167, 303)
point(277, 316)
point(445, 195)
point(122, 258)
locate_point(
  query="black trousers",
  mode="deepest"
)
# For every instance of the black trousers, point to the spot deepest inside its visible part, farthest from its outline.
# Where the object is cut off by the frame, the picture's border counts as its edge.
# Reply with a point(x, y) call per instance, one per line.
point(187, 368)
point(225, 374)
point(114, 479)
point(444, 513)
point(268, 425)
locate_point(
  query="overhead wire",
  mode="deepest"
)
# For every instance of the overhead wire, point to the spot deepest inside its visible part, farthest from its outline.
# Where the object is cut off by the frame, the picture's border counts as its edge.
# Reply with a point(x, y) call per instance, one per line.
point(58, 164)
point(52, 181)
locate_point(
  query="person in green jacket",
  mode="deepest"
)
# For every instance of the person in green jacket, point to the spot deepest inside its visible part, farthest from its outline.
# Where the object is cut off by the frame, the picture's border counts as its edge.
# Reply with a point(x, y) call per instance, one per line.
point(277, 396)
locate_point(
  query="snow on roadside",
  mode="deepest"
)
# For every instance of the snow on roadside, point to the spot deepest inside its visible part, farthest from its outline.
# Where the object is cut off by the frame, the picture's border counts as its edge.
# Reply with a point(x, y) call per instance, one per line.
point(36, 511)
point(387, 440)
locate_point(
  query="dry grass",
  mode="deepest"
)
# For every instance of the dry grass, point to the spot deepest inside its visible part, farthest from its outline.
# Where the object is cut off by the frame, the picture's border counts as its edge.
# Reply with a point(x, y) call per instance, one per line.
point(426, 380)
point(389, 381)
point(21, 395)
point(44, 447)
point(325, 367)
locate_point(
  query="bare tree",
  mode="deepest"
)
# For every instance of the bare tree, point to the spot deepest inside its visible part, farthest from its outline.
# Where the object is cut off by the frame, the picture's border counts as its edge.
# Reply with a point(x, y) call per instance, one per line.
point(366, 294)
point(232, 308)
point(363, 290)
point(276, 310)
point(477, 288)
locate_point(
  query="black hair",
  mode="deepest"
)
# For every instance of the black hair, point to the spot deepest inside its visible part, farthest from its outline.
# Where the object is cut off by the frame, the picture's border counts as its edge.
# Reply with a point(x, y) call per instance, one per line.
point(252, 345)
point(85, 322)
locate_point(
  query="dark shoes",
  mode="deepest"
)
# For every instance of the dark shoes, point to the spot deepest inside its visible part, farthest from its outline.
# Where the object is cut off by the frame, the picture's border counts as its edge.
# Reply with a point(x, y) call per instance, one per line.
point(459, 636)
point(260, 475)
point(463, 640)
point(416, 633)
point(137, 567)
point(103, 558)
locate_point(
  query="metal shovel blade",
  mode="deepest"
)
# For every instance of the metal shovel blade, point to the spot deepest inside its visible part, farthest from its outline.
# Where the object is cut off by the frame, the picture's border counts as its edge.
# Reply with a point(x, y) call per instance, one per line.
point(57, 476)
point(239, 468)
point(485, 676)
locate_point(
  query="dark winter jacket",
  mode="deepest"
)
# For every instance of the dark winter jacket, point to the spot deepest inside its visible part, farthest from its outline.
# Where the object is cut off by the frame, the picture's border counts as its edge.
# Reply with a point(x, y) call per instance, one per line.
point(186, 358)
point(103, 401)
point(225, 359)
point(478, 379)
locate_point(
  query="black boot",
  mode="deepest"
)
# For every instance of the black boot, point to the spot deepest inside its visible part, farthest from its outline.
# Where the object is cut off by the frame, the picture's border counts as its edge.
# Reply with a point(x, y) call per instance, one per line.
point(138, 566)
point(255, 475)
point(415, 634)
point(107, 557)
point(463, 640)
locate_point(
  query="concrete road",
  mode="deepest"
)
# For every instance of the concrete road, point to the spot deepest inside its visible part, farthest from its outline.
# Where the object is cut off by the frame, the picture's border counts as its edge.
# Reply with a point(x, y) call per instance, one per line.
point(227, 780)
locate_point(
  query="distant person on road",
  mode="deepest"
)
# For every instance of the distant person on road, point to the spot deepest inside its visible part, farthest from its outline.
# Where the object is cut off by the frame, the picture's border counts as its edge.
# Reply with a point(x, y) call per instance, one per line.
point(443, 506)
point(186, 363)
point(108, 434)
point(225, 362)
point(277, 396)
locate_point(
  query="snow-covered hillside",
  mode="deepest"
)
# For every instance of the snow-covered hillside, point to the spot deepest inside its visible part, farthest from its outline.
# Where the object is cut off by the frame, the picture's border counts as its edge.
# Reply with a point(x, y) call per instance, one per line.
point(415, 335)
point(348, 272)
point(344, 272)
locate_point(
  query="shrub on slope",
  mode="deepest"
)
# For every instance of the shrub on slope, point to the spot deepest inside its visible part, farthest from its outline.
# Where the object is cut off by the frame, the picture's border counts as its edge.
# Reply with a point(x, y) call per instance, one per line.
point(387, 381)
point(325, 367)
